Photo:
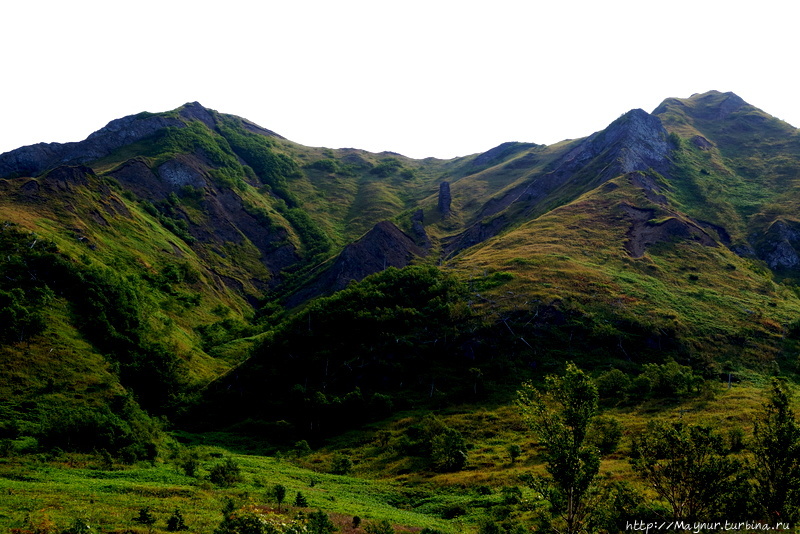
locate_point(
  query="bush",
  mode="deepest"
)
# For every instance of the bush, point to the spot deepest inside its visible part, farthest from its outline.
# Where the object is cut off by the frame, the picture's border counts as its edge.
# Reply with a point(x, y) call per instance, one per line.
point(128, 434)
point(175, 523)
point(320, 523)
point(279, 494)
point(381, 527)
point(606, 434)
point(449, 451)
point(341, 465)
point(613, 385)
point(79, 526)
point(671, 379)
point(145, 517)
point(736, 439)
point(226, 474)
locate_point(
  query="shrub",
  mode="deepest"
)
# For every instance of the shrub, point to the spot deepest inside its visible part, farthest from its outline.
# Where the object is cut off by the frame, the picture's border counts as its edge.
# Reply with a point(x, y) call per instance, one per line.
point(320, 523)
point(511, 495)
point(606, 434)
point(449, 451)
point(341, 465)
point(325, 165)
point(226, 474)
point(145, 517)
point(736, 439)
point(671, 379)
point(613, 384)
point(381, 527)
point(79, 526)
point(175, 523)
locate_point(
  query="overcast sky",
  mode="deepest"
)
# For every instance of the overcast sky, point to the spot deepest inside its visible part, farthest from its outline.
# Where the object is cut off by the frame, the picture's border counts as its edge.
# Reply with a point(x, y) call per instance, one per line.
point(422, 78)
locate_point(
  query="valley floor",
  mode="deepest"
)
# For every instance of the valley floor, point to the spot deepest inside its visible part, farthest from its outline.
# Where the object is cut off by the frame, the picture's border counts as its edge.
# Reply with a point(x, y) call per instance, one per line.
point(58, 492)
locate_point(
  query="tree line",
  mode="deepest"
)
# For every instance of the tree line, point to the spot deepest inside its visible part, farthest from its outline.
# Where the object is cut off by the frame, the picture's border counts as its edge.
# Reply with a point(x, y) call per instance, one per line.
point(692, 471)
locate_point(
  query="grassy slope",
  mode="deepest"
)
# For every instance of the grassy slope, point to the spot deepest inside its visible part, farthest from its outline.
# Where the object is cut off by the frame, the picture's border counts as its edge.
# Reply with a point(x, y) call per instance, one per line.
point(56, 489)
point(707, 295)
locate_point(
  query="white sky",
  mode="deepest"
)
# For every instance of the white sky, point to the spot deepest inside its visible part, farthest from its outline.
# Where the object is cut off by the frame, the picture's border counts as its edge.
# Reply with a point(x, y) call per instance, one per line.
point(423, 78)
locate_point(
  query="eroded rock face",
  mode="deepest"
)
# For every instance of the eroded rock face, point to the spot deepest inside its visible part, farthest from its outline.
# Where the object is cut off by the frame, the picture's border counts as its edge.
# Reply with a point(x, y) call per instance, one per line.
point(385, 245)
point(637, 141)
point(418, 229)
point(176, 174)
point(644, 232)
point(445, 199)
point(780, 244)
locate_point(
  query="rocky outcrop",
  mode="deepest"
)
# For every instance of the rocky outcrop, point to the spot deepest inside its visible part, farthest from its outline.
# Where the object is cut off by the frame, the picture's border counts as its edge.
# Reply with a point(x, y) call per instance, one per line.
point(477, 233)
point(779, 245)
point(385, 245)
point(644, 232)
point(445, 199)
point(177, 174)
point(418, 230)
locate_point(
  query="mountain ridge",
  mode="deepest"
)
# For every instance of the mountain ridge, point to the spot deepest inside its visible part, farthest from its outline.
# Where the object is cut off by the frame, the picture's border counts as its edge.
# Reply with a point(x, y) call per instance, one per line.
point(673, 229)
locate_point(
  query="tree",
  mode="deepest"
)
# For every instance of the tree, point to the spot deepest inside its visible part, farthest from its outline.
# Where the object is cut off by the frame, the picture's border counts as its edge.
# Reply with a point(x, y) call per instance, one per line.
point(176, 523)
point(300, 500)
point(449, 451)
point(688, 466)
point(146, 518)
point(320, 523)
point(279, 493)
point(776, 447)
point(560, 417)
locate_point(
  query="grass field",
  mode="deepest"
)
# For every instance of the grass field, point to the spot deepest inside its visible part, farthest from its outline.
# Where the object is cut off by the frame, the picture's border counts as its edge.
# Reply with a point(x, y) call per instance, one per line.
point(46, 493)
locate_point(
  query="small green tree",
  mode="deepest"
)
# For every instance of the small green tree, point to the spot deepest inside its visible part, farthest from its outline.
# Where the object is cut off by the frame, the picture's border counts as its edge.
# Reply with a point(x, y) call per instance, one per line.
point(449, 451)
point(176, 523)
point(300, 500)
point(341, 465)
point(687, 466)
point(776, 447)
point(560, 417)
point(146, 518)
point(514, 452)
point(606, 433)
point(279, 494)
point(320, 523)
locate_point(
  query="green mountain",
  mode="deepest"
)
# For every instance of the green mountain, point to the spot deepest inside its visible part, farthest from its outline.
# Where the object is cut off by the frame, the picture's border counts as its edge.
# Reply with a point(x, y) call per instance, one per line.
point(191, 259)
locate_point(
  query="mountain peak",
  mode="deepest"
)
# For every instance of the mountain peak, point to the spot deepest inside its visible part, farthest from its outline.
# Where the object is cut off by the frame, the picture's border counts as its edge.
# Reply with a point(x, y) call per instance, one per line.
point(713, 105)
point(196, 111)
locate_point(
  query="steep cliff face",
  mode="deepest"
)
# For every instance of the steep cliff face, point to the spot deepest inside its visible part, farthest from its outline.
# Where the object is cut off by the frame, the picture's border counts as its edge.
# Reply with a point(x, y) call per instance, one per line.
point(445, 199)
point(385, 245)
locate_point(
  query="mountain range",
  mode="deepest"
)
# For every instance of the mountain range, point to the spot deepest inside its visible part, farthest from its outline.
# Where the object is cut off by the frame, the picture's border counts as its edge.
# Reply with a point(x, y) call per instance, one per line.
point(193, 258)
